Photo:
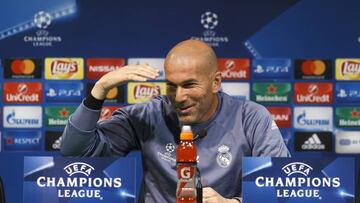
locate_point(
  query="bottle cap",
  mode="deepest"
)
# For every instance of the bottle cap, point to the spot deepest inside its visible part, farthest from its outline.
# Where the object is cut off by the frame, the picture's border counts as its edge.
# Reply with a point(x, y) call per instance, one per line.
point(186, 133)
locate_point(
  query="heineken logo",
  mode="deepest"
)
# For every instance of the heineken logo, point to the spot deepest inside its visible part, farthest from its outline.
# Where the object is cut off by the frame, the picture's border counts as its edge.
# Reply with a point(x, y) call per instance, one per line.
point(58, 115)
point(271, 92)
point(347, 117)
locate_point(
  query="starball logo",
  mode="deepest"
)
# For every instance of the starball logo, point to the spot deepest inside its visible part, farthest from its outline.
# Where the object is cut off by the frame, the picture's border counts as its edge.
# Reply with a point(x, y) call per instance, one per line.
point(297, 182)
point(209, 21)
point(80, 183)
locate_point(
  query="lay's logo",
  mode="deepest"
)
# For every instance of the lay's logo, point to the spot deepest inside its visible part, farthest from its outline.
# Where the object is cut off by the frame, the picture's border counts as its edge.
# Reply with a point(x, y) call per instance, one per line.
point(64, 68)
point(348, 69)
point(141, 92)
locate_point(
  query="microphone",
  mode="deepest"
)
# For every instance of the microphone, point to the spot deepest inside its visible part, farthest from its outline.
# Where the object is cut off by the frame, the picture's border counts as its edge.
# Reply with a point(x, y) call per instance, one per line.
point(201, 134)
point(2, 192)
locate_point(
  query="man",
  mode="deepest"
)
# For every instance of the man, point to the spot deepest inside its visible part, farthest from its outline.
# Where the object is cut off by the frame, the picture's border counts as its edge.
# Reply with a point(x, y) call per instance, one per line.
point(229, 129)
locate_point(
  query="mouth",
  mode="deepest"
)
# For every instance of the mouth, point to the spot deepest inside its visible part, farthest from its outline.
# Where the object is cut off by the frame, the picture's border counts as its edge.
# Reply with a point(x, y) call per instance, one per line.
point(184, 110)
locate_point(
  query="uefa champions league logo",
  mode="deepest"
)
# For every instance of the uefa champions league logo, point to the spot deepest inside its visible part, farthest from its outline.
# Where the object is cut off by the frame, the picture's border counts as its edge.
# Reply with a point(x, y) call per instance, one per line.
point(42, 19)
point(209, 20)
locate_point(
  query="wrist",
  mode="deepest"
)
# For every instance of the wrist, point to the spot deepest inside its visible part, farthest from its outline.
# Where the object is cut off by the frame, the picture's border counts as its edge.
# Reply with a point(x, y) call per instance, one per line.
point(98, 91)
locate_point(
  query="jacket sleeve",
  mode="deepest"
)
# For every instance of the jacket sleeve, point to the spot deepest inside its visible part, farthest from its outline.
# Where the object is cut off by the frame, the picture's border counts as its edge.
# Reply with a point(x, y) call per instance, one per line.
point(262, 132)
point(116, 136)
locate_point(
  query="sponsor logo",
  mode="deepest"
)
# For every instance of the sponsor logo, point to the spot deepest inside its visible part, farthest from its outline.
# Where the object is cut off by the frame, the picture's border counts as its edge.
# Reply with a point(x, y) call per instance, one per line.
point(22, 117)
point(281, 115)
point(58, 115)
point(22, 92)
point(64, 68)
point(157, 63)
point(209, 21)
point(106, 112)
point(115, 95)
point(313, 69)
point(313, 118)
point(77, 182)
point(271, 92)
point(22, 140)
point(347, 92)
point(347, 142)
point(313, 93)
point(64, 91)
point(347, 117)
point(237, 90)
point(234, 69)
point(298, 182)
point(271, 68)
point(97, 67)
point(22, 68)
point(347, 69)
point(141, 92)
point(52, 140)
point(313, 141)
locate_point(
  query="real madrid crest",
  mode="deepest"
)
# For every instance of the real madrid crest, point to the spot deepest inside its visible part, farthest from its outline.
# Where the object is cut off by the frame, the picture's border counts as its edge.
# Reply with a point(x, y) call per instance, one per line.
point(224, 157)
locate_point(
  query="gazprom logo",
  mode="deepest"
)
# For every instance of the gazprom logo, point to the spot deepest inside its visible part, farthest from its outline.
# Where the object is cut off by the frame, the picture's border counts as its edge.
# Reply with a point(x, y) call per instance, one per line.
point(79, 167)
point(297, 167)
point(302, 120)
point(22, 117)
point(313, 118)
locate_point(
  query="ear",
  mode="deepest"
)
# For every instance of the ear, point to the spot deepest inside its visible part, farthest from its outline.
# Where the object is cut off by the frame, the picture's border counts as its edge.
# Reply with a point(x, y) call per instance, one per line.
point(216, 82)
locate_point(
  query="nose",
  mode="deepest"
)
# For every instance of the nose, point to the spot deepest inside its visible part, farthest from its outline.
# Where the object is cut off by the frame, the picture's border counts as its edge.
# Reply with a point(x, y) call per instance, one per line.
point(180, 95)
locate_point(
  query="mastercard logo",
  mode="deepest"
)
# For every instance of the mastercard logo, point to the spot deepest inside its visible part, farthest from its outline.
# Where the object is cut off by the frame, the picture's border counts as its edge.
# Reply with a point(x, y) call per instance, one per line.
point(112, 93)
point(25, 66)
point(313, 67)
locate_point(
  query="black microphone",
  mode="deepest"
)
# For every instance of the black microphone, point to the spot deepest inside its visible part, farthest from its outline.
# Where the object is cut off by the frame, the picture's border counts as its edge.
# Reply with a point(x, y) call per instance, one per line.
point(2, 192)
point(199, 188)
point(201, 134)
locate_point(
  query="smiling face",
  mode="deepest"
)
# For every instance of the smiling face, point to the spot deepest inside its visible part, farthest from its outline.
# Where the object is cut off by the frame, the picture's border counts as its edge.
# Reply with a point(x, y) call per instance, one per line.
point(192, 81)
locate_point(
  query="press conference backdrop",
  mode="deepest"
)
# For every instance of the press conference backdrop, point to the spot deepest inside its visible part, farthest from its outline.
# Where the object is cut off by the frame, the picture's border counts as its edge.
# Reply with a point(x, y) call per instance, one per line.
point(299, 58)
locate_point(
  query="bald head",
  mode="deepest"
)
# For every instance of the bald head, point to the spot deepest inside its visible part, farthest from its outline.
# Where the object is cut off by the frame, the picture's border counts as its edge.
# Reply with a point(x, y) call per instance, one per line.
point(193, 51)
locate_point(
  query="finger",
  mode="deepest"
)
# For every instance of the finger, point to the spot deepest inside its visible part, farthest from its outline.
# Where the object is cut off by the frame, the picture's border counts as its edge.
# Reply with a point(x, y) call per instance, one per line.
point(146, 68)
point(149, 70)
point(208, 192)
point(210, 200)
point(143, 73)
point(137, 78)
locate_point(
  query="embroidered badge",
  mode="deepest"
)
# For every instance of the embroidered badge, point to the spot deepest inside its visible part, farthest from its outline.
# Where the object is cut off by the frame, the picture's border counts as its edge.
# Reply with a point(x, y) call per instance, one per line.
point(224, 157)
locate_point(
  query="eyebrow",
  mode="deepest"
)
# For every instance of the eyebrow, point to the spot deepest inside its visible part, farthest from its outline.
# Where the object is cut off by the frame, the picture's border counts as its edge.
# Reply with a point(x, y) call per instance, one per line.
point(182, 83)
